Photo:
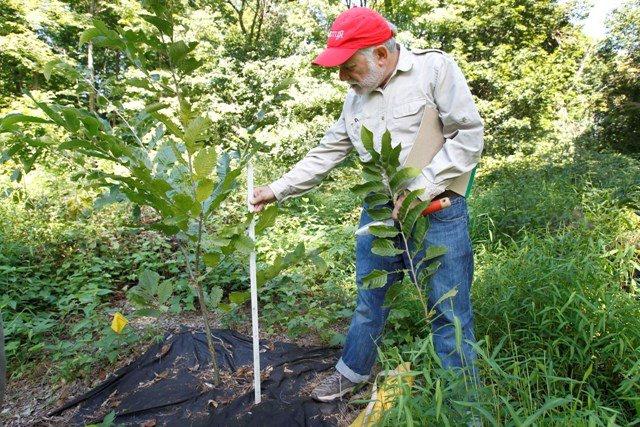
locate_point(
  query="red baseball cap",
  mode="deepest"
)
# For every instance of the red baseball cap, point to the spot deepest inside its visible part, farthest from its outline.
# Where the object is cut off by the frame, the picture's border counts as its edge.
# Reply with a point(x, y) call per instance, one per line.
point(354, 29)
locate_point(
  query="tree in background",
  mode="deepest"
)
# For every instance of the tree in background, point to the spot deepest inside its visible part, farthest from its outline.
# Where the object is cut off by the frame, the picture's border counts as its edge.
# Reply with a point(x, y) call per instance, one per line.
point(617, 68)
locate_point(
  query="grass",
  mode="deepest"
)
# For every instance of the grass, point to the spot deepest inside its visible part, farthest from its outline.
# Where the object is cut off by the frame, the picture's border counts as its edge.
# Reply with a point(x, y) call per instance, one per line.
point(555, 295)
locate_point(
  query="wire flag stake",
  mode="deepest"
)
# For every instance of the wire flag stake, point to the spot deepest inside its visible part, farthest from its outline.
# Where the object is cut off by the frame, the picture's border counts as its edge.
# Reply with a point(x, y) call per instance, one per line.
point(254, 292)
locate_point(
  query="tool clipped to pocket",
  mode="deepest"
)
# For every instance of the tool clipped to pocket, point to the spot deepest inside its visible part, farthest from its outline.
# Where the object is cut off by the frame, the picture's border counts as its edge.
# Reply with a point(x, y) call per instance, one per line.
point(434, 206)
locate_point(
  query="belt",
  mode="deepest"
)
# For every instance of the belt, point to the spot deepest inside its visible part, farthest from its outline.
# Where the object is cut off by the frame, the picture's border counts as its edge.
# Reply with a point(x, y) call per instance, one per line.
point(446, 193)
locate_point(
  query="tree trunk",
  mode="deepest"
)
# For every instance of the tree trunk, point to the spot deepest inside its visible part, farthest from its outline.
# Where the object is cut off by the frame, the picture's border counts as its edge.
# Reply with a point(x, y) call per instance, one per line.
point(93, 7)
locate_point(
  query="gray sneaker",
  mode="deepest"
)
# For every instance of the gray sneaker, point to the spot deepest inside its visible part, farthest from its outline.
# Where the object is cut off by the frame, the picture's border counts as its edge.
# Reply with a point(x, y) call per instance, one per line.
point(333, 387)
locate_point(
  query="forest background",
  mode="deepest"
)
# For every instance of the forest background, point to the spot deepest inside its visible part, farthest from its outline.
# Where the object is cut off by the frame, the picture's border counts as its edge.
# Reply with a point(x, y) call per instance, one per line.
point(554, 210)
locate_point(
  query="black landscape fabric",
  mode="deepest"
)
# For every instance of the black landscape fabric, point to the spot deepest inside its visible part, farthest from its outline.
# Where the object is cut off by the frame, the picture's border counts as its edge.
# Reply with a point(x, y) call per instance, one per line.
point(170, 385)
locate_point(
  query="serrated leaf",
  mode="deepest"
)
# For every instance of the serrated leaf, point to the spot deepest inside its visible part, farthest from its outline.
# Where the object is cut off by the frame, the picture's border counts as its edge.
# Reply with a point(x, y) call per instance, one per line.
point(148, 280)
point(383, 231)
point(204, 189)
point(367, 187)
point(73, 124)
point(204, 161)
point(379, 214)
point(434, 252)
point(168, 123)
point(178, 51)
point(183, 202)
point(402, 177)
point(164, 291)
point(420, 229)
point(88, 35)
point(156, 106)
point(239, 297)
point(374, 280)
point(48, 68)
point(366, 136)
point(384, 247)
point(243, 244)
point(266, 219)
point(406, 203)
point(412, 216)
point(196, 130)
point(385, 147)
point(214, 297)
point(376, 199)
point(211, 259)
point(164, 26)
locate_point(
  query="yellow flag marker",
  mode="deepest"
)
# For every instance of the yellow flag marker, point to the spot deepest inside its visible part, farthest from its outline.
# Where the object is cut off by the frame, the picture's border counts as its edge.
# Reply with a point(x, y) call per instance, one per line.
point(118, 323)
point(384, 397)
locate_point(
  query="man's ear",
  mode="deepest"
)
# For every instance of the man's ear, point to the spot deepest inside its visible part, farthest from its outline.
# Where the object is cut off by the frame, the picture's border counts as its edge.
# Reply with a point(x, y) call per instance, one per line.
point(381, 54)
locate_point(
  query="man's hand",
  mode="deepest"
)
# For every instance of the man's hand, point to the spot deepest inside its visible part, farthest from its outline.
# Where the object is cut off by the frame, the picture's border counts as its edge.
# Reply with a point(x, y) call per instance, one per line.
point(262, 196)
point(398, 205)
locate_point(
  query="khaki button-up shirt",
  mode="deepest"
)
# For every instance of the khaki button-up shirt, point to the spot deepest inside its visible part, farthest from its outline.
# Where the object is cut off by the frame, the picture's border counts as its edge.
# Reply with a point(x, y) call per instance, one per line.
point(422, 79)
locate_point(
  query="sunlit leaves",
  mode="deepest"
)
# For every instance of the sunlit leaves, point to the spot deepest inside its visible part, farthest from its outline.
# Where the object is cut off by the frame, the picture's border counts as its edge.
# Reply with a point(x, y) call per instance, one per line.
point(204, 161)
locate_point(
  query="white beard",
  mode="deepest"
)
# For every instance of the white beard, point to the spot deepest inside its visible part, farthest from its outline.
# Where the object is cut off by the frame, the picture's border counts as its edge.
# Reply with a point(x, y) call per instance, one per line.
point(371, 81)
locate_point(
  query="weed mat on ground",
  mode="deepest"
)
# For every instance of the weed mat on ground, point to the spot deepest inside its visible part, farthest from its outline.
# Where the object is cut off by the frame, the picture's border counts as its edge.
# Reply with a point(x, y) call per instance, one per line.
point(171, 384)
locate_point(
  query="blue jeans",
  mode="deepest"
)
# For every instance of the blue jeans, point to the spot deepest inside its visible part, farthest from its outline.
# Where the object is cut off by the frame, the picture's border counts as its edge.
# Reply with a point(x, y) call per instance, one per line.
point(448, 227)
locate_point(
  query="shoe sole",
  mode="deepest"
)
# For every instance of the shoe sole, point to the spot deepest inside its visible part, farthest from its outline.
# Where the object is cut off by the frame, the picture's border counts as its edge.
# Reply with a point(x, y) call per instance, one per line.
point(333, 397)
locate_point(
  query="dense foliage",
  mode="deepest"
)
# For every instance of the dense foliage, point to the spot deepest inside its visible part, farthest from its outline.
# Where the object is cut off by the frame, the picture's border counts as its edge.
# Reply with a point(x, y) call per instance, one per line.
point(553, 213)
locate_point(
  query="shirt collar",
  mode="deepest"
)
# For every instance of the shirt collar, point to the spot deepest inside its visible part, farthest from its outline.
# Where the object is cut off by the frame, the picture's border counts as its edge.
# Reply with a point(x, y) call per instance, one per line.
point(405, 61)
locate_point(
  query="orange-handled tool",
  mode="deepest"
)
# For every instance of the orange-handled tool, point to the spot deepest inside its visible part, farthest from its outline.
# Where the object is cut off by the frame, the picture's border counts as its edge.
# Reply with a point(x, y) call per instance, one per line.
point(437, 205)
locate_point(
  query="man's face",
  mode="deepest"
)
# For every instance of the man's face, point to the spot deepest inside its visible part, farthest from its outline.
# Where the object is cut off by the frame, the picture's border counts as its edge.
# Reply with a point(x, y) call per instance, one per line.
point(364, 72)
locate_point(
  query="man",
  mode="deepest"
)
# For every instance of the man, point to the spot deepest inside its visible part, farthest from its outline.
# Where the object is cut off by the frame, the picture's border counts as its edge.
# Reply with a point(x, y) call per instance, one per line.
point(390, 89)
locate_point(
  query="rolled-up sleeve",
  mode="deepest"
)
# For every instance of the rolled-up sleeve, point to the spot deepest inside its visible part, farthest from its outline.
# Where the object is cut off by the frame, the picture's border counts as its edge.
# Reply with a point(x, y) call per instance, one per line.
point(311, 170)
point(462, 129)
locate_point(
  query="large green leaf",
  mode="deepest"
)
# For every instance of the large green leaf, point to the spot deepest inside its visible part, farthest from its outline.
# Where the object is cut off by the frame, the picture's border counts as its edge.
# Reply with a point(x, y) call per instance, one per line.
point(367, 140)
point(164, 291)
point(195, 130)
point(204, 161)
point(376, 199)
point(243, 244)
point(412, 216)
point(148, 280)
point(211, 259)
point(204, 189)
point(71, 118)
point(239, 297)
point(367, 187)
point(385, 147)
point(384, 247)
point(402, 177)
point(165, 27)
point(435, 251)
point(379, 214)
point(375, 279)
point(169, 124)
point(407, 202)
point(88, 35)
point(266, 219)
point(420, 230)
point(383, 230)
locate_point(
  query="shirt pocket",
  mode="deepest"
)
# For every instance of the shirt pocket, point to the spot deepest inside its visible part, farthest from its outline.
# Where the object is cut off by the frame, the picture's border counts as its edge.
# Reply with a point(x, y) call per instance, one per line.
point(407, 116)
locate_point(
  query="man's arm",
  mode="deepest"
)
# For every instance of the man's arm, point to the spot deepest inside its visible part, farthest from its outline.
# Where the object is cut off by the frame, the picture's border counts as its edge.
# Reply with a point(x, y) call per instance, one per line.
point(462, 129)
point(311, 170)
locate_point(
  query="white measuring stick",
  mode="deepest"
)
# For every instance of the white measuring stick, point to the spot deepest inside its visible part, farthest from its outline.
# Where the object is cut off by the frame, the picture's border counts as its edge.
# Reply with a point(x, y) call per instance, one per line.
point(254, 293)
